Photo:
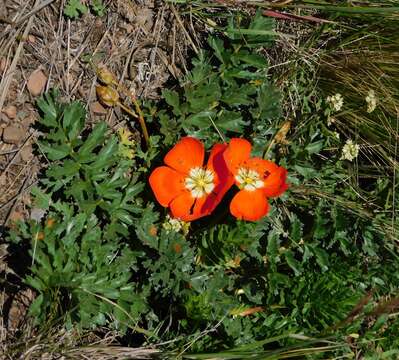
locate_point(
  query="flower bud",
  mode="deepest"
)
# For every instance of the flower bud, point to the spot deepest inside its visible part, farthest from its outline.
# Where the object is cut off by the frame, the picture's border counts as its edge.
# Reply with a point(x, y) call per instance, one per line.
point(107, 95)
point(105, 76)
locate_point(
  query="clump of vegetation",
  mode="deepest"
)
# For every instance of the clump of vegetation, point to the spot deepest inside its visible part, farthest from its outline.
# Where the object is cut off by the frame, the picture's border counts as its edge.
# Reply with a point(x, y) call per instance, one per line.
point(319, 273)
point(75, 8)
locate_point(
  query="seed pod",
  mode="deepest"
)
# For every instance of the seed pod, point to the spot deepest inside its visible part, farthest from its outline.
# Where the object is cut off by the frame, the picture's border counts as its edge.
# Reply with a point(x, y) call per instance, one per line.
point(105, 76)
point(107, 95)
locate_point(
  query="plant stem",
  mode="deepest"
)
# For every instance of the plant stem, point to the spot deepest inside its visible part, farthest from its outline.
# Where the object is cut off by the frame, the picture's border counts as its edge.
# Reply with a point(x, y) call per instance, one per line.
point(139, 116)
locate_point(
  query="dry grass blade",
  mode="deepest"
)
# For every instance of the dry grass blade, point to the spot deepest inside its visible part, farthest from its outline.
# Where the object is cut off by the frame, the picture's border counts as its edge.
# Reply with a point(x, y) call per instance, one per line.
point(6, 79)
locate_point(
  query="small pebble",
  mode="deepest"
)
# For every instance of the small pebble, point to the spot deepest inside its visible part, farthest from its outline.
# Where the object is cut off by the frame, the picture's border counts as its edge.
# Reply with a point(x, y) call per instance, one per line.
point(37, 214)
point(13, 135)
point(36, 82)
point(10, 111)
point(26, 153)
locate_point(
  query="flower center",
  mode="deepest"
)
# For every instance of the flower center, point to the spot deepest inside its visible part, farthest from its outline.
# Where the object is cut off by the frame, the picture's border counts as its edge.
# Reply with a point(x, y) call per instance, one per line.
point(199, 182)
point(248, 179)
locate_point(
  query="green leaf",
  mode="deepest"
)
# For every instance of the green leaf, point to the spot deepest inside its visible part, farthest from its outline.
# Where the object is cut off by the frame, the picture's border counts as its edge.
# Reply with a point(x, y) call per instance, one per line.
point(73, 119)
point(306, 172)
point(96, 138)
point(293, 263)
point(74, 8)
point(273, 244)
point(321, 258)
point(50, 109)
point(172, 99)
point(98, 7)
point(105, 156)
point(41, 199)
point(268, 101)
point(217, 45)
point(200, 120)
point(55, 152)
point(315, 147)
point(67, 169)
point(34, 308)
point(230, 121)
point(236, 95)
point(259, 33)
point(255, 60)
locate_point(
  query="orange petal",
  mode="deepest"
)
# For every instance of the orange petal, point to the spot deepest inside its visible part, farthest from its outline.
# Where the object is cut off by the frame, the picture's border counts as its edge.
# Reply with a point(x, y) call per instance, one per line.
point(249, 205)
point(187, 208)
point(263, 167)
point(236, 153)
point(186, 154)
point(275, 184)
point(223, 177)
point(166, 184)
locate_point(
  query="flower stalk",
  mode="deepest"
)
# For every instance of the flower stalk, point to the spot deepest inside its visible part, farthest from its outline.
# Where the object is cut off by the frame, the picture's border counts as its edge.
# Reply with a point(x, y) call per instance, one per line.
point(107, 78)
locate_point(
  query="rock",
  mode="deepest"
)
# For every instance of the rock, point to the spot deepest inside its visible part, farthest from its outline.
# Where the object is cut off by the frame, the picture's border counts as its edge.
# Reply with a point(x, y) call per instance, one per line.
point(97, 108)
point(13, 135)
point(10, 111)
point(26, 153)
point(37, 214)
point(4, 120)
point(36, 82)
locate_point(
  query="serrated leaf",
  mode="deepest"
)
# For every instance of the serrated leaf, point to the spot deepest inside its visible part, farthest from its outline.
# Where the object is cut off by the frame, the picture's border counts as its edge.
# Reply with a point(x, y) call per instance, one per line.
point(55, 152)
point(217, 45)
point(35, 306)
point(73, 119)
point(315, 147)
point(321, 258)
point(236, 95)
point(273, 244)
point(41, 199)
point(172, 99)
point(296, 229)
point(255, 60)
point(230, 121)
point(50, 109)
point(293, 263)
point(96, 138)
point(74, 8)
point(105, 156)
point(67, 169)
point(306, 172)
point(200, 119)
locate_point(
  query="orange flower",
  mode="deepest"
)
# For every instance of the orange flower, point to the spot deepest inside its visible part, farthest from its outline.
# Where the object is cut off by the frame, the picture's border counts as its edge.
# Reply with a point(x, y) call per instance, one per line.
point(257, 179)
point(185, 186)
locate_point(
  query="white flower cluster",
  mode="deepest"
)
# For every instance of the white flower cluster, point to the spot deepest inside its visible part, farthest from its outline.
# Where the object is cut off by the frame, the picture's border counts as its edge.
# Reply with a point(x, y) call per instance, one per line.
point(371, 101)
point(350, 150)
point(336, 101)
point(171, 224)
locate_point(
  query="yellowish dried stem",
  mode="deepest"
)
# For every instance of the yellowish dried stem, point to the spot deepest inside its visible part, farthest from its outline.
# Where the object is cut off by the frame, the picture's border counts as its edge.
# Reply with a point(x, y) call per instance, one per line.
point(106, 77)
